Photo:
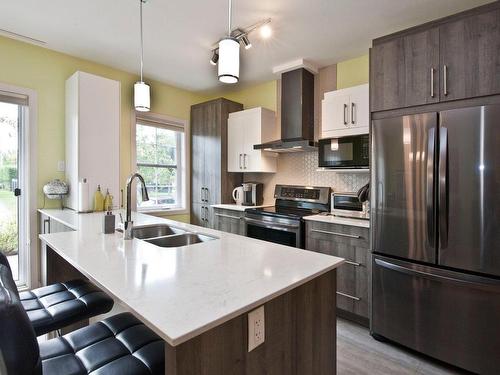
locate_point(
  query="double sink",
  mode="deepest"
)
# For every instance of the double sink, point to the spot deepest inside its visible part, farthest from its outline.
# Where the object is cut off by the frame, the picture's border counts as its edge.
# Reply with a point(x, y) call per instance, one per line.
point(164, 235)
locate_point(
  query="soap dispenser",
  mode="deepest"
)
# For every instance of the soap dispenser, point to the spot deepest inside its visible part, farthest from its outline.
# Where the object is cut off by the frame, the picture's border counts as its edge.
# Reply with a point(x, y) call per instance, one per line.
point(108, 201)
point(98, 200)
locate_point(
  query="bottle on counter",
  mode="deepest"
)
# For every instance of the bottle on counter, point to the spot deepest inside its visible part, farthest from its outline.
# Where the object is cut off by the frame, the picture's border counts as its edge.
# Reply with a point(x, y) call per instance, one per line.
point(108, 226)
point(108, 201)
point(98, 200)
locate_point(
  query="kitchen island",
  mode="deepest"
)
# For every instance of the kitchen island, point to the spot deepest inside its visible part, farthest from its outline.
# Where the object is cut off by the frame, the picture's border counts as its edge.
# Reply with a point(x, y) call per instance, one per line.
point(197, 297)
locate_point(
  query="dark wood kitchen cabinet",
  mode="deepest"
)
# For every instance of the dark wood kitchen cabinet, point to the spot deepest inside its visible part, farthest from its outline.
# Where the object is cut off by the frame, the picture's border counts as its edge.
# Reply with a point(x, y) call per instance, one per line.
point(457, 57)
point(352, 244)
point(210, 181)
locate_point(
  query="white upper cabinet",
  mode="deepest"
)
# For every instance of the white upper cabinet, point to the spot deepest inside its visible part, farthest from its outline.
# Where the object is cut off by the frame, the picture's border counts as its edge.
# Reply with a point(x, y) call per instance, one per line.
point(92, 135)
point(246, 129)
point(345, 112)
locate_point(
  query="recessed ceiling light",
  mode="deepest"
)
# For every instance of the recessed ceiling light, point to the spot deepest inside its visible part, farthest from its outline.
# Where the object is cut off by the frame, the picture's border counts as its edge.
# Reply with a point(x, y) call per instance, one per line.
point(266, 31)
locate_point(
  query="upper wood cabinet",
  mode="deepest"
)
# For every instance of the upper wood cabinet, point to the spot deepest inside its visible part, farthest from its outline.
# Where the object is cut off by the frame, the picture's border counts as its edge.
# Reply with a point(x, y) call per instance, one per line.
point(246, 129)
point(345, 112)
point(454, 58)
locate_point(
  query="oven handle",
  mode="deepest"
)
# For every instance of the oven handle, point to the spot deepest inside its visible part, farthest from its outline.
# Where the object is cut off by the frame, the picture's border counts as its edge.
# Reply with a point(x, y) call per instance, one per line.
point(261, 223)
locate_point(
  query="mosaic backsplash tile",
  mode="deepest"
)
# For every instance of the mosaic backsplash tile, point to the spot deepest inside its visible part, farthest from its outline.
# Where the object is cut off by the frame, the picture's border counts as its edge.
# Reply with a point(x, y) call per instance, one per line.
point(301, 169)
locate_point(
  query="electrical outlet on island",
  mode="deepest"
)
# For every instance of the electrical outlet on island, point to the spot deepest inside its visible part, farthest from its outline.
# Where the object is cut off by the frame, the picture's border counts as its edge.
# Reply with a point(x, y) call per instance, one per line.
point(256, 328)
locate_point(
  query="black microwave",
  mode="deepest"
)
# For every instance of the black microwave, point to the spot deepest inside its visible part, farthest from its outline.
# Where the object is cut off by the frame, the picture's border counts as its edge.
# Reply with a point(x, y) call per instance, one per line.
point(350, 152)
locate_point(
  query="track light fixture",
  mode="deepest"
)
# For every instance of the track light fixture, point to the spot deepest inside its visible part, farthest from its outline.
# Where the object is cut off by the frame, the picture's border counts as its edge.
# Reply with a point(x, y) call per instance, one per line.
point(226, 53)
point(215, 57)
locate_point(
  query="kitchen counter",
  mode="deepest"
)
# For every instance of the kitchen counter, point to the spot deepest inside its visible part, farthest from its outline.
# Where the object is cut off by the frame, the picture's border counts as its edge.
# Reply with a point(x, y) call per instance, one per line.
point(183, 292)
point(339, 220)
point(238, 207)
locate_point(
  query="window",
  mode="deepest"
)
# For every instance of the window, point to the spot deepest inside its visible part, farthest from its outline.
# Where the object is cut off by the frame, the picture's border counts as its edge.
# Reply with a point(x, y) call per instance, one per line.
point(160, 159)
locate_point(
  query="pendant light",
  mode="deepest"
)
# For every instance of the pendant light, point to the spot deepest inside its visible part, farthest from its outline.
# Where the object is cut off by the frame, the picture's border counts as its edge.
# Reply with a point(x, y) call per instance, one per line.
point(142, 94)
point(229, 55)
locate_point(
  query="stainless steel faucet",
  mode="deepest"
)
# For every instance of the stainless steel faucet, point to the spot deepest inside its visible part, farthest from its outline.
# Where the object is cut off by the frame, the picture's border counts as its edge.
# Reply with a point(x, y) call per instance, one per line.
point(129, 224)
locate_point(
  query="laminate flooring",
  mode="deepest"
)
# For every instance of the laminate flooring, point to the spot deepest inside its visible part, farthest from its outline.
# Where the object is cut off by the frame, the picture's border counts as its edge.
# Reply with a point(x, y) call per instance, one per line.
point(358, 354)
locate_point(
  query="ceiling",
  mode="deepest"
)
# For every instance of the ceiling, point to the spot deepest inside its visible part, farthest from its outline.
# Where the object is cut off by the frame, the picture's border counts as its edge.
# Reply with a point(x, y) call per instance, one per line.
point(178, 34)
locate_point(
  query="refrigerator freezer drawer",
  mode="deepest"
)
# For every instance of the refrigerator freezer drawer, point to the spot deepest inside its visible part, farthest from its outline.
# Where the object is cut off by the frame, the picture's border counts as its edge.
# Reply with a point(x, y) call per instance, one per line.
point(447, 315)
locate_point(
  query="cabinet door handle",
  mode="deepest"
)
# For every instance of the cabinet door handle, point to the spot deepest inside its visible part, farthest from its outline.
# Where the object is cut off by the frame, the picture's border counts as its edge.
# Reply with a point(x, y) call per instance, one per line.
point(229, 216)
point(245, 161)
point(345, 116)
point(336, 233)
point(206, 214)
point(207, 197)
point(432, 82)
point(202, 198)
point(355, 264)
point(240, 161)
point(445, 79)
point(349, 296)
point(46, 228)
point(352, 113)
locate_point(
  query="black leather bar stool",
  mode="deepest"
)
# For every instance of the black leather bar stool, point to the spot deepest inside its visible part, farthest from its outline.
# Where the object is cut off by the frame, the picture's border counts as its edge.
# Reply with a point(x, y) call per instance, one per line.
point(117, 345)
point(58, 305)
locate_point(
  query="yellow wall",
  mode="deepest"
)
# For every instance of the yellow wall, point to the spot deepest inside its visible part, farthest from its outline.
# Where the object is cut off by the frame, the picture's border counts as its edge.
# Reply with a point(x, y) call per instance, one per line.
point(260, 95)
point(46, 71)
point(353, 72)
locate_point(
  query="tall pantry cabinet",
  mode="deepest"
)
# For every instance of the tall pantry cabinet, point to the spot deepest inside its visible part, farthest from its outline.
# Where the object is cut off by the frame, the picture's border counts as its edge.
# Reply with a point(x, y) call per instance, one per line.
point(210, 181)
point(92, 135)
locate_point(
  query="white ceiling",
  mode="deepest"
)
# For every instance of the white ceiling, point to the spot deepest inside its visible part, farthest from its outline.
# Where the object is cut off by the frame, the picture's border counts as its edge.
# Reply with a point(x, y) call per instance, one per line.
point(178, 34)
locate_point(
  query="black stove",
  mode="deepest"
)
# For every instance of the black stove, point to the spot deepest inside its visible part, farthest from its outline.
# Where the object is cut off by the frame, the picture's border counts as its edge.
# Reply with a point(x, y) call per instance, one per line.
point(283, 222)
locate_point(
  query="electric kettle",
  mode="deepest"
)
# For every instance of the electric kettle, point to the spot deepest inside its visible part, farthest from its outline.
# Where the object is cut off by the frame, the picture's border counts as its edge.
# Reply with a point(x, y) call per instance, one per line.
point(238, 195)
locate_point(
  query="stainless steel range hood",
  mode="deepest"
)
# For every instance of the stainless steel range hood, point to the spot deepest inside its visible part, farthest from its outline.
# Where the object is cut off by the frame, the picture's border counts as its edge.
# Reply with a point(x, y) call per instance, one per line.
point(297, 114)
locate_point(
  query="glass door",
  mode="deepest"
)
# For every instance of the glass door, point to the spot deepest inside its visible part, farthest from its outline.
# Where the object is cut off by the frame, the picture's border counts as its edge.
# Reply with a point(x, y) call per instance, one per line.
point(11, 120)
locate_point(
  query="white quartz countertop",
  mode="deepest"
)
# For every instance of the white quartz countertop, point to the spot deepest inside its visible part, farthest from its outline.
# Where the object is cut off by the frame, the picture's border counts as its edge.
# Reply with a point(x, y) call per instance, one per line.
point(238, 207)
point(339, 220)
point(182, 292)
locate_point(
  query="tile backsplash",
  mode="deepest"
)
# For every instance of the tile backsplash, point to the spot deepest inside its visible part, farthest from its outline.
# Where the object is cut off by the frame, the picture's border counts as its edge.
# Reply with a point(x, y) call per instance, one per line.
point(301, 169)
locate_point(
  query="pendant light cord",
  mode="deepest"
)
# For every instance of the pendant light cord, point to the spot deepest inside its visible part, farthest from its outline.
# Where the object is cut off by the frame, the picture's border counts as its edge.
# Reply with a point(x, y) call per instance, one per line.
point(229, 18)
point(142, 43)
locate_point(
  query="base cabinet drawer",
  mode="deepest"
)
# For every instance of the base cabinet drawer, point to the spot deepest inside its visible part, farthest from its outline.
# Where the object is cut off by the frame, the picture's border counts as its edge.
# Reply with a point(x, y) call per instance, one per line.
point(229, 221)
point(352, 244)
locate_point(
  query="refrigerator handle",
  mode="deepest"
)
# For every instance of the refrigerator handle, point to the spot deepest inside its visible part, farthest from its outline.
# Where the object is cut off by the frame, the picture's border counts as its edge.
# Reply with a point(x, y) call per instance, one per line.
point(440, 276)
point(430, 186)
point(443, 187)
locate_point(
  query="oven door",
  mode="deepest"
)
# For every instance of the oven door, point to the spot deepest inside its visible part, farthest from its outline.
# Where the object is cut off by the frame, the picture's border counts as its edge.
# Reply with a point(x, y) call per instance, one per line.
point(284, 233)
point(344, 153)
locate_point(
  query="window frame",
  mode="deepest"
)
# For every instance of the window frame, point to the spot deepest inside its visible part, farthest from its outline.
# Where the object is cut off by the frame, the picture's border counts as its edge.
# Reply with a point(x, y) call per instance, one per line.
point(183, 162)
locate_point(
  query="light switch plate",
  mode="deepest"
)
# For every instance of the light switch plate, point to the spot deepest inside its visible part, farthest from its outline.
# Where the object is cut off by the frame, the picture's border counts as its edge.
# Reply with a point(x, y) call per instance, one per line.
point(256, 328)
point(61, 166)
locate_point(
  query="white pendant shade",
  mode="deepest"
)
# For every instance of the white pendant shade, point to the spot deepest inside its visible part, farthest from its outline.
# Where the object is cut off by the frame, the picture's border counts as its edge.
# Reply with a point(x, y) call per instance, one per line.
point(142, 102)
point(229, 60)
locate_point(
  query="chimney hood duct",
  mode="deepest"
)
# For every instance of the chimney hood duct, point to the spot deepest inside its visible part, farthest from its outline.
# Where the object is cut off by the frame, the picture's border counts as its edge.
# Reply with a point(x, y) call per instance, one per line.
point(297, 114)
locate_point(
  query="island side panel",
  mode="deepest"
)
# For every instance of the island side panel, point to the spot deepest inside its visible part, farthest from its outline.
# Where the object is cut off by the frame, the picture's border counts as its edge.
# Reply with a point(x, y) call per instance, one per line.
point(300, 338)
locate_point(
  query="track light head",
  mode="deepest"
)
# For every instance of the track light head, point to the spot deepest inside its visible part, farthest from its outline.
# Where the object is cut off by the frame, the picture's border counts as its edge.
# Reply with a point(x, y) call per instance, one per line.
point(246, 42)
point(215, 57)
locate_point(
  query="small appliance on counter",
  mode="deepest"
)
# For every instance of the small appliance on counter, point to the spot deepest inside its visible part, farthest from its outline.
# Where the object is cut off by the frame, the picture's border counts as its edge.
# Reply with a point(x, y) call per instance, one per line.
point(349, 205)
point(253, 194)
point(350, 152)
point(238, 195)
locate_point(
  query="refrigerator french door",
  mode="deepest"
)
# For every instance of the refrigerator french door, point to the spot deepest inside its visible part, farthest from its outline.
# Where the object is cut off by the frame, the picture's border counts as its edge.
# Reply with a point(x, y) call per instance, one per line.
point(435, 234)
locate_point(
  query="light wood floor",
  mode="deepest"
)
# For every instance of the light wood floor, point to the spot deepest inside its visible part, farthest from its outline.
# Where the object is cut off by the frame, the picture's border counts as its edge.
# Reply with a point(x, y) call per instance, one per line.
point(359, 354)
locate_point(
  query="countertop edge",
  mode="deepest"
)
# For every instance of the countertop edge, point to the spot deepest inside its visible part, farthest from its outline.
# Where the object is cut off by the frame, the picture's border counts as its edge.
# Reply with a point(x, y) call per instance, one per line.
point(46, 211)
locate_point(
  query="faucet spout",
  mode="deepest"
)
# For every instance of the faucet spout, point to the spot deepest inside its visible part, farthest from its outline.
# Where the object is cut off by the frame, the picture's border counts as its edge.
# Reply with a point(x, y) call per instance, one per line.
point(128, 225)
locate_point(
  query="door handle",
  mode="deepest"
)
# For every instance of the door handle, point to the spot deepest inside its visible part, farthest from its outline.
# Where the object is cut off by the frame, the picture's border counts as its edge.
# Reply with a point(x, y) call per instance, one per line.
point(46, 228)
point(445, 80)
point(352, 113)
point(202, 198)
point(345, 116)
point(207, 197)
point(443, 187)
point(336, 233)
point(244, 161)
point(240, 161)
point(430, 186)
point(432, 82)
point(206, 215)
point(229, 216)
point(203, 213)
point(355, 264)
point(349, 296)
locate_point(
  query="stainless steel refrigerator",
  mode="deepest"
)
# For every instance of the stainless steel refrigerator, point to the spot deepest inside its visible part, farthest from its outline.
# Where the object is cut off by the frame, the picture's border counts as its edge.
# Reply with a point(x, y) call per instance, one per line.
point(436, 234)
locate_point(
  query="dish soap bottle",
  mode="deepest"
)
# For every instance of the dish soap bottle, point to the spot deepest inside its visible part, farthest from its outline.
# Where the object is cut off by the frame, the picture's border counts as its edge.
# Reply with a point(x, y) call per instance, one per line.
point(98, 200)
point(108, 201)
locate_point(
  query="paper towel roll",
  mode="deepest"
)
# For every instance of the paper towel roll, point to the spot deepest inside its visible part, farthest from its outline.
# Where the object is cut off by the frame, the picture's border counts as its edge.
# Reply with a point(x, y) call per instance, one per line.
point(83, 196)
